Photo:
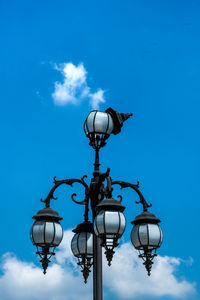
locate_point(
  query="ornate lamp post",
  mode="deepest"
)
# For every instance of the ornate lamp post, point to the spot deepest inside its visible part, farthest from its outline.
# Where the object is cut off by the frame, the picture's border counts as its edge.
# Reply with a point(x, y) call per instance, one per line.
point(108, 221)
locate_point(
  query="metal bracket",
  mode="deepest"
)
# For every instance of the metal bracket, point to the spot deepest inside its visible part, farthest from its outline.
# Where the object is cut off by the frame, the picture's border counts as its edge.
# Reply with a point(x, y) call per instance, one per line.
point(135, 187)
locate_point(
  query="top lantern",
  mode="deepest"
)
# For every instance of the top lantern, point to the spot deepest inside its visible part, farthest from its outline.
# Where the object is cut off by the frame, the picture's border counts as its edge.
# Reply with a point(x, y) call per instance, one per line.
point(99, 125)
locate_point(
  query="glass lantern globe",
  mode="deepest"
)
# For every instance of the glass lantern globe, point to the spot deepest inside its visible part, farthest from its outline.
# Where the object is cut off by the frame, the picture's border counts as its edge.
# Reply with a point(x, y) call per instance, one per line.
point(98, 126)
point(82, 247)
point(46, 233)
point(109, 225)
point(147, 237)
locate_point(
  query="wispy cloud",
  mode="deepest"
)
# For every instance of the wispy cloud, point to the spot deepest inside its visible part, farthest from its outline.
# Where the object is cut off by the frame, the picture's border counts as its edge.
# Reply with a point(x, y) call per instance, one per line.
point(74, 88)
point(125, 279)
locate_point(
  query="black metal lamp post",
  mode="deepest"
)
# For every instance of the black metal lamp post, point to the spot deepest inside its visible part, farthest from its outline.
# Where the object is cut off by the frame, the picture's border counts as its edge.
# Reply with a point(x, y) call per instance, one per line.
point(108, 221)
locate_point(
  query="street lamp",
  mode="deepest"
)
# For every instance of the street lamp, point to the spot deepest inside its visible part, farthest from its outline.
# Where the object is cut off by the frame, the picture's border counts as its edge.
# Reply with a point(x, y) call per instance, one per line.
point(109, 225)
point(82, 247)
point(108, 221)
point(46, 233)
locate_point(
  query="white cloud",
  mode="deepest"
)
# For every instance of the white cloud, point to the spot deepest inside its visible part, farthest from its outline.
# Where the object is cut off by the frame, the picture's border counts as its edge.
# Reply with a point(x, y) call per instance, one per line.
point(23, 280)
point(97, 98)
point(126, 277)
point(74, 88)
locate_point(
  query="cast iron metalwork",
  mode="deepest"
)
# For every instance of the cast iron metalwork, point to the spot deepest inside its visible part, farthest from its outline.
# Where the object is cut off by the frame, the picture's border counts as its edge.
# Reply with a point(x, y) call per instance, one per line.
point(100, 188)
point(147, 257)
point(96, 192)
point(118, 118)
point(45, 256)
point(85, 262)
point(145, 217)
point(70, 182)
point(135, 187)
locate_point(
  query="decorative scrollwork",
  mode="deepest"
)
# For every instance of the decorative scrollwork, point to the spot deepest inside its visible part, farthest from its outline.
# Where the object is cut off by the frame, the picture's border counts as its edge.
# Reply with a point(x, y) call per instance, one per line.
point(120, 197)
point(147, 257)
point(135, 187)
point(83, 178)
point(45, 255)
point(70, 182)
point(78, 202)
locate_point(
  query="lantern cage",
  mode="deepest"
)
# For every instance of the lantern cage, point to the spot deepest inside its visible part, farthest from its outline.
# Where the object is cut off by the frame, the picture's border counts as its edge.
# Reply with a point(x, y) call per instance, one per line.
point(109, 225)
point(98, 126)
point(46, 234)
point(82, 247)
point(146, 236)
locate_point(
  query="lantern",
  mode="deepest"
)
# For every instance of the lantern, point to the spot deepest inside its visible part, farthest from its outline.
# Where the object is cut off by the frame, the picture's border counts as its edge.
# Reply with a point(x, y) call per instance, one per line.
point(82, 247)
point(109, 225)
point(46, 233)
point(146, 237)
point(98, 127)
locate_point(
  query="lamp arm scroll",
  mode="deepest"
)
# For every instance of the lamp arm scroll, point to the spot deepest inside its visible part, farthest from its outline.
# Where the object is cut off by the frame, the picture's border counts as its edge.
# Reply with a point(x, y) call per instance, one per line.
point(135, 187)
point(70, 182)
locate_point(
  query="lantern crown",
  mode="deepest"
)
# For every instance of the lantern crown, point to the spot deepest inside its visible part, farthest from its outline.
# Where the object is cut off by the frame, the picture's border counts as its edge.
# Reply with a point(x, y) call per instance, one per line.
point(86, 226)
point(110, 204)
point(47, 214)
point(146, 217)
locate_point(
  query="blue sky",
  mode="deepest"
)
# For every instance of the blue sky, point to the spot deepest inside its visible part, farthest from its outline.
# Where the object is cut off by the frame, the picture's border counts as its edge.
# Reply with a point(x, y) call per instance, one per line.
point(144, 57)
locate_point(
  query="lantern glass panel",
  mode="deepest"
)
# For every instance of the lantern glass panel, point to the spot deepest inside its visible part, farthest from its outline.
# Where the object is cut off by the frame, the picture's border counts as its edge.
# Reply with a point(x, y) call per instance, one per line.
point(101, 122)
point(74, 245)
point(85, 128)
point(134, 236)
point(112, 222)
point(82, 243)
point(49, 232)
point(58, 234)
point(143, 234)
point(90, 121)
point(38, 232)
point(122, 223)
point(161, 237)
point(154, 235)
point(100, 223)
point(89, 244)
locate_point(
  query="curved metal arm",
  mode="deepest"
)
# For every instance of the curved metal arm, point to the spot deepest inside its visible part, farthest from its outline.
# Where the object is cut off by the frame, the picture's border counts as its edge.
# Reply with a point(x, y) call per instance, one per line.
point(70, 182)
point(135, 187)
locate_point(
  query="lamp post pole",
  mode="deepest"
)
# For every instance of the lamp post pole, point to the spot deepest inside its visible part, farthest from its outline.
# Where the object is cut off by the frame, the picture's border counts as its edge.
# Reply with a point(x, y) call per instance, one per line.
point(108, 221)
point(97, 269)
point(97, 249)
